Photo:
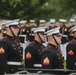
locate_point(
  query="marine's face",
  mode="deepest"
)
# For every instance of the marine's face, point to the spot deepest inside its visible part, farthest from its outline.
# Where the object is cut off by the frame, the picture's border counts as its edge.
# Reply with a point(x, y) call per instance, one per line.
point(22, 25)
point(42, 37)
point(42, 24)
point(52, 24)
point(1, 35)
point(3, 26)
point(72, 23)
point(15, 30)
point(74, 33)
point(62, 24)
point(32, 24)
point(58, 38)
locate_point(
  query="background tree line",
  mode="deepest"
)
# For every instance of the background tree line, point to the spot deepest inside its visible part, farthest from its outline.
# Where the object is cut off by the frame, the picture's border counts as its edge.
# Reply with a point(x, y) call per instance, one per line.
point(37, 9)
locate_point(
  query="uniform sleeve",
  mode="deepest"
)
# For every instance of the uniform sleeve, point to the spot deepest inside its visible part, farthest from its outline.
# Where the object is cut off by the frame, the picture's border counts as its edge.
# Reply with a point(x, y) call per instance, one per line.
point(71, 56)
point(3, 57)
point(29, 57)
point(47, 60)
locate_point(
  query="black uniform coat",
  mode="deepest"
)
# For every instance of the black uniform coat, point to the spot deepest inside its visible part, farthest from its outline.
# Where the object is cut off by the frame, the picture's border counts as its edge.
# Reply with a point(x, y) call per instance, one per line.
point(52, 58)
point(64, 31)
point(23, 31)
point(10, 50)
point(70, 34)
point(33, 54)
point(30, 35)
point(50, 27)
point(71, 54)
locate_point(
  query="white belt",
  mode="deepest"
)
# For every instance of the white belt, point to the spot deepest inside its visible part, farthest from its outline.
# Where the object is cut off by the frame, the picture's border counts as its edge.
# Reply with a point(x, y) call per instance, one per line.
point(71, 34)
point(22, 35)
point(64, 35)
point(31, 34)
point(75, 64)
point(14, 63)
point(37, 65)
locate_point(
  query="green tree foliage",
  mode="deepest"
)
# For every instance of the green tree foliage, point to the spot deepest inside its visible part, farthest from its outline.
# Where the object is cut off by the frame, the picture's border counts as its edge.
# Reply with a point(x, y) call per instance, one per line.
point(67, 8)
point(23, 9)
point(37, 9)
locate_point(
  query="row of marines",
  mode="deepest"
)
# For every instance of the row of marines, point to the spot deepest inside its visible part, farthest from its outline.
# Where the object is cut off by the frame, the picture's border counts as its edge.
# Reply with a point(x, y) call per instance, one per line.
point(36, 54)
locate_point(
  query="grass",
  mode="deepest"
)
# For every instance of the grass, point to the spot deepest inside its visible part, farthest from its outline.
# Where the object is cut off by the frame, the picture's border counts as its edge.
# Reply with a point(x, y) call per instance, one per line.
point(65, 64)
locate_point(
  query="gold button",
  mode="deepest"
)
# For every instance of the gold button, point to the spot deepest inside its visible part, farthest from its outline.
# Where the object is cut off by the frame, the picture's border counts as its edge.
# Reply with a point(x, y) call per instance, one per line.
point(59, 58)
point(12, 69)
point(14, 48)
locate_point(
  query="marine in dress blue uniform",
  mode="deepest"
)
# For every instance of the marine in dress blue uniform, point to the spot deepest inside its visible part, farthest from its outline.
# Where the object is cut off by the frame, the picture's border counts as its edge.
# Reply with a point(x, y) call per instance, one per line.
point(51, 57)
point(71, 51)
point(10, 50)
point(52, 24)
point(30, 35)
point(70, 34)
point(64, 40)
point(23, 32)
point(33, 51)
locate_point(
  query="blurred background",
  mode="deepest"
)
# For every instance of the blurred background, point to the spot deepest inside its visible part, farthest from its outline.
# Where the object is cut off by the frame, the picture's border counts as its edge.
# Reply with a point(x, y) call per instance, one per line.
point(37, 9)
